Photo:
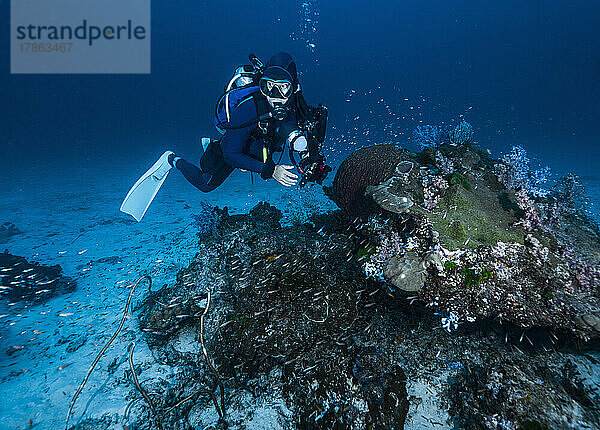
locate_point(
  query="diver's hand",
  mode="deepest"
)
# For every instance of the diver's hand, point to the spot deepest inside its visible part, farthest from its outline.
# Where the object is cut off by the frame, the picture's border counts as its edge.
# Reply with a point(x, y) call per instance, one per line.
point(283, 175)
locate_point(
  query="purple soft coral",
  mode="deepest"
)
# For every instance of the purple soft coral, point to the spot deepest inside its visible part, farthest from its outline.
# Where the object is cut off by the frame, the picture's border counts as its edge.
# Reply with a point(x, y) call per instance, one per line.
point(428, 136)
point(515, 173)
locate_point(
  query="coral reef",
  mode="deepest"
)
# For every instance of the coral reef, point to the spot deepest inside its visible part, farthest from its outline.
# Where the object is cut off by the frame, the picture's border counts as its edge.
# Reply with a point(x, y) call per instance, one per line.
point(31, 282)
point(518, 393)
point(496, 254)
point(289, 301)
point(523, 284)
point(431, 285)
point(8, 230)
point(307, 329)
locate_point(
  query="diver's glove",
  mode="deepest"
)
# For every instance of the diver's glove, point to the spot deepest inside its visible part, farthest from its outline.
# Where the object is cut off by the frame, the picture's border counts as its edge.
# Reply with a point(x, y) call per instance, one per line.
point(283, 175)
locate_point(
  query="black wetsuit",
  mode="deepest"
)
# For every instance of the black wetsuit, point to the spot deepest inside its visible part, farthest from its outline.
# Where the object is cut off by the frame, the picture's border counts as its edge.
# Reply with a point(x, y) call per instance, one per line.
point(242, 147)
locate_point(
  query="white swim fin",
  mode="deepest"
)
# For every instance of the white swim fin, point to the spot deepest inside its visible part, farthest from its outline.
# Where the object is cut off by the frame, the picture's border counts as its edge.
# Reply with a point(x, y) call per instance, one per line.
point(142, 193)
point(205, 141)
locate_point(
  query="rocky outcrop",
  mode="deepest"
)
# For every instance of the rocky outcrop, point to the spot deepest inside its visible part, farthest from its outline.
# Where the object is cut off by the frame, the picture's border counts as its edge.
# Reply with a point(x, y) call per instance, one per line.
point(495, 257)
point(514, 392)
point(8, 230)
point(301, 338)
point(285, 302)
point(427, 286)
point(31, 282)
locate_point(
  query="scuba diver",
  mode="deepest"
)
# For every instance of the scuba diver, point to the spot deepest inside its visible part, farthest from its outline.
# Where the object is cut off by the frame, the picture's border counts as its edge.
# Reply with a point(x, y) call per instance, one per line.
point(261, 111)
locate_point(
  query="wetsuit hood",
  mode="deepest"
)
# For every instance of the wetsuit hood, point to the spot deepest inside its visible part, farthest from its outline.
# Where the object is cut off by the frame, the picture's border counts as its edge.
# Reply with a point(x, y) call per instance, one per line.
point(279, 61)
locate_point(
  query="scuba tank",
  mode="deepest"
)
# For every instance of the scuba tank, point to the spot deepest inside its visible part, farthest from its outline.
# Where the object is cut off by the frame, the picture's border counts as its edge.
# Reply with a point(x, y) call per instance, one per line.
point(241, 86)
point(247, 75)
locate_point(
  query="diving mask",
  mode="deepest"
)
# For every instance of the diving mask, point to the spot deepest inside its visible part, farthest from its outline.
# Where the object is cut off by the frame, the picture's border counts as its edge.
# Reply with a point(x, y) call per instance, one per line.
point(275, 88)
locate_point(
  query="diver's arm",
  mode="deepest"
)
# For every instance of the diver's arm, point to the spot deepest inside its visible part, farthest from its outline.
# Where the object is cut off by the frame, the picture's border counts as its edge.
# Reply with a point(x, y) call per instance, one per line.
point(234, 140)
point(232, 145)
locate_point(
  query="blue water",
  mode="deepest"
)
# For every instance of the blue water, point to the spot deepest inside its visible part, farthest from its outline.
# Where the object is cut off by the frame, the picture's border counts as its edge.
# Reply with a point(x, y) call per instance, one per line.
point(522, 73)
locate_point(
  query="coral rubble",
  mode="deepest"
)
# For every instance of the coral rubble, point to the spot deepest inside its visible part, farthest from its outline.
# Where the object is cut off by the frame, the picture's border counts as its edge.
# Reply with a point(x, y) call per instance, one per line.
point(289, 303)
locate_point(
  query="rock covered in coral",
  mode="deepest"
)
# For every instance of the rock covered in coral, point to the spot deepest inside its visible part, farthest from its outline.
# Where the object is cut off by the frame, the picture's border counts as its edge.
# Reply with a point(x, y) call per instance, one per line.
point(521, 283)
point(31, 282)
point(468, 216)
point(511, 393)
point(8, 230)
point(286, 301)
point(408, 272)
point(302, 339)
point(308, 326)
point(501, 257)
point(465, 208)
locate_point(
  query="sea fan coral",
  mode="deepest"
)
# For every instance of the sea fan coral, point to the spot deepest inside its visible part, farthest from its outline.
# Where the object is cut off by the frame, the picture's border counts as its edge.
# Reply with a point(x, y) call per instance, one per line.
point(368, 166)
point(428, 136)
point(461, 134)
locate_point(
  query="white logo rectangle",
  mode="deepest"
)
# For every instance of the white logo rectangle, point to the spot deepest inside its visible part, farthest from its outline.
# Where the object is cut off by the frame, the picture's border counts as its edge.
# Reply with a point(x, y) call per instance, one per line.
point(80, 36)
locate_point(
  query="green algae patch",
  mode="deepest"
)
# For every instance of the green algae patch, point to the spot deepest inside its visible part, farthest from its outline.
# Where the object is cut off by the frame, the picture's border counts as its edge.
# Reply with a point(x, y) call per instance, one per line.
point(458, 179)
point(472, 278)
point(471, 218)
point(365, 253)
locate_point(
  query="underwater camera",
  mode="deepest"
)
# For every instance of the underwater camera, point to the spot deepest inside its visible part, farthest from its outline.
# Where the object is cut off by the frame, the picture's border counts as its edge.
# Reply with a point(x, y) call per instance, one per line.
point(315, 123)
point(313, 167)
point(313, 171)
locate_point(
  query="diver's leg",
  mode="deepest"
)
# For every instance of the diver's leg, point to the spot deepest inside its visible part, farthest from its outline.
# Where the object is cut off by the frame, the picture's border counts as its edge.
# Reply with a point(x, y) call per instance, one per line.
point(220, 175)
point(193, 174)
